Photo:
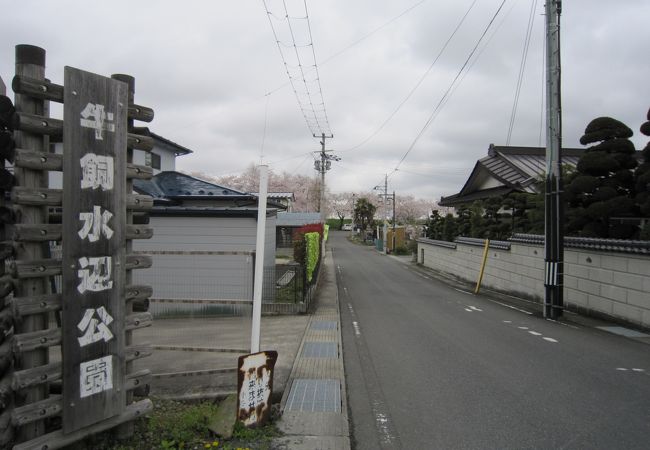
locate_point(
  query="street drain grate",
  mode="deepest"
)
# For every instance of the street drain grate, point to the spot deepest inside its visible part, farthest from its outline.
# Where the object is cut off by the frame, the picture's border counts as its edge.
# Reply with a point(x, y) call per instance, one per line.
point(320, 350)
point(323, 325)
point(315, 396)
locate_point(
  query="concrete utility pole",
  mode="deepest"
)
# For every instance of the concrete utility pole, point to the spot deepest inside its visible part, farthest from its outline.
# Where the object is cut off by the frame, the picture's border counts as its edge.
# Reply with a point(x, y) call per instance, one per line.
point(385, 196)
point(554, 234)
point(322, 166)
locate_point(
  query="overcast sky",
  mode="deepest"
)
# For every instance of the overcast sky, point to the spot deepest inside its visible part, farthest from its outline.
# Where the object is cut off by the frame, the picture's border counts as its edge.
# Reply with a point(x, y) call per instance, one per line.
point(206, 68)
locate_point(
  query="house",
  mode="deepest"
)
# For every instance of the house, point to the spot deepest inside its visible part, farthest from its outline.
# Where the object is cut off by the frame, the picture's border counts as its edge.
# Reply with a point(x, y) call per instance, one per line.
point(505, 170)
point(287, 222)
point(203, 246)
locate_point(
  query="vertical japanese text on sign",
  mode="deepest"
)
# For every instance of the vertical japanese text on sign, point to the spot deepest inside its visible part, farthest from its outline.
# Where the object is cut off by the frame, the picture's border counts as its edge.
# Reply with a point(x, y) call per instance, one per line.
point(94, 220)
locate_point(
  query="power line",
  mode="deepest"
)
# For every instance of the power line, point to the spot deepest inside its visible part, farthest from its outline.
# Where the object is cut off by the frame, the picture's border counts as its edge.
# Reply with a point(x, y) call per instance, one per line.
point(417, 85)
point(358, 41)
point(522, 68)
point(315, 117)
point(444, 97)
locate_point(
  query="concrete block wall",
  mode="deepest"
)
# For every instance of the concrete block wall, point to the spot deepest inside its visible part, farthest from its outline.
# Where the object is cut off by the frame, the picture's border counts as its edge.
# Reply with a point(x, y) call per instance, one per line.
point(596, 281)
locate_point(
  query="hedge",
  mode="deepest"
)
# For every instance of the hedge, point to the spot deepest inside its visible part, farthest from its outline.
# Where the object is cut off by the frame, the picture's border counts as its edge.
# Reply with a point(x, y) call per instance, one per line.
point(312, 241)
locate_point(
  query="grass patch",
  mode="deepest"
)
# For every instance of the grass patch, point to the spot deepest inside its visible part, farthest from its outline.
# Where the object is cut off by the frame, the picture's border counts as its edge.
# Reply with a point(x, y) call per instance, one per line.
point(179, 426)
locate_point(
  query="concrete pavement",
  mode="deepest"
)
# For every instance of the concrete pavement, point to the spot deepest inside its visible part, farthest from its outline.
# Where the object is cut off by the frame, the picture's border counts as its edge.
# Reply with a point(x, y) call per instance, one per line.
point(314, 405)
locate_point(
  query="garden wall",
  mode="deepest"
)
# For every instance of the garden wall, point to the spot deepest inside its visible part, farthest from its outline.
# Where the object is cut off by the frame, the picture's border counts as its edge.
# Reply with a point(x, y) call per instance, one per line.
point(602, 276)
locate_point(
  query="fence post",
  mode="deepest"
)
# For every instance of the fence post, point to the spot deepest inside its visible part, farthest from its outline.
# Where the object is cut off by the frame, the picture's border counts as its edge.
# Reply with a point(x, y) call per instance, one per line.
point(126, 430)
point(30, 62)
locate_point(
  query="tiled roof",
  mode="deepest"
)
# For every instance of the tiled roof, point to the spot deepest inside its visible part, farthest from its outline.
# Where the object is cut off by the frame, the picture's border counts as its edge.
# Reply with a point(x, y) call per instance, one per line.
point(612, 245)
point(177, 185)
point(514, 168)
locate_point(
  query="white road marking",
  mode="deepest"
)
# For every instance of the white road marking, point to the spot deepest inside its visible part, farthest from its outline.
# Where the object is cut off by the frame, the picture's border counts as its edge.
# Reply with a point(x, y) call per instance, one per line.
point(464, 292)
point(622, 369)
point(357, 330)
point(468, 310)
point(565, 324)
point(523, 328)
point(474, 308)
point(512, 307)
point(507, 321)
point(351, 308)
point(550, 339)
point(638, 370)
point(535, 333)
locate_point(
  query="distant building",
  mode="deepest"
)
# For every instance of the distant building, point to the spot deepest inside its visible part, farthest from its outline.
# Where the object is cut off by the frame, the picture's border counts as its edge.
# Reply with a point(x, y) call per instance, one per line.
point(505, 170)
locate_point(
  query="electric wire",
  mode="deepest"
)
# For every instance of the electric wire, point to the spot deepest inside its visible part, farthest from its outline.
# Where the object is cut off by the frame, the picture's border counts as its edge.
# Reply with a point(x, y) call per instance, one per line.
point(438, 106)
point(543, 92)
point(307, 108)
point(358, 41)
point(522, 68)
point(417, 85)
point(320, 88)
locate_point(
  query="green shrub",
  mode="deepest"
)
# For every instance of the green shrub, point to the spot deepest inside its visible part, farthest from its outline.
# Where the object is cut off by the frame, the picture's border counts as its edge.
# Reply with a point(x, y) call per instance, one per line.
point(312, 244)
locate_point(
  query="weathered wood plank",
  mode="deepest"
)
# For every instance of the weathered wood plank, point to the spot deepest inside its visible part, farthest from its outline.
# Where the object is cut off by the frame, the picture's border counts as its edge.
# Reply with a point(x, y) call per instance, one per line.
point(138, 262)
point(32, 412)
point(41, 89)
point(136, 379)
point(37, 232)
point(36, 268)
point(54, 197)
point(139, 351)
point(138, 232)
point(140, 142)
point(23, 379)
point(135, 202)
point(36, 196)
point(36, 124)
point(38, 304)
point(135, 171)
point(32, 159)
point(48, 373)
point(138, 292)
point(93, 276)
point(57, 439)
point(46, 90)
point(27, 342)
point(141, 113)
point(138, 320)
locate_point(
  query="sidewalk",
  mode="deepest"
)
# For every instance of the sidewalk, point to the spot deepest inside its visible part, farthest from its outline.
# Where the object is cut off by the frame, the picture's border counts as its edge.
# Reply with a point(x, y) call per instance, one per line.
point(314, 404)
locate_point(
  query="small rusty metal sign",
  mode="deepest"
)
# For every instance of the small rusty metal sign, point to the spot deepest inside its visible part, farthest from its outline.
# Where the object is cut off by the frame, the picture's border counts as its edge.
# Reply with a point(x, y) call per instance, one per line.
point(254, 387)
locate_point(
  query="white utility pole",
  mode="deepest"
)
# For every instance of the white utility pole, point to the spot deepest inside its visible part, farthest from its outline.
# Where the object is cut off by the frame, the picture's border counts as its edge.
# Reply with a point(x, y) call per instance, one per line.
point(258, 282)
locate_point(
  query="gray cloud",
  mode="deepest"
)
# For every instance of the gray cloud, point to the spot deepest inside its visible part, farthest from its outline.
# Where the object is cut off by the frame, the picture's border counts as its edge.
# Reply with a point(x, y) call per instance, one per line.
point(205, 67)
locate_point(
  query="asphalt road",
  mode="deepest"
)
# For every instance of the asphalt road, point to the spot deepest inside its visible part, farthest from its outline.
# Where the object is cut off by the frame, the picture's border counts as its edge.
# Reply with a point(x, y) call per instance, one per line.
point(431, 367)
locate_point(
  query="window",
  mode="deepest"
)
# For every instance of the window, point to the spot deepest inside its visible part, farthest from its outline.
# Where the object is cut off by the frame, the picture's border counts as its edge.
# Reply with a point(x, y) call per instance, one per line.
point(152, 160)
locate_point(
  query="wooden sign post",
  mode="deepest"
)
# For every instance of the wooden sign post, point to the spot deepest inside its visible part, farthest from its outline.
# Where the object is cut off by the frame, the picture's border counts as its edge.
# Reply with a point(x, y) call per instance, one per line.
point(94, 195)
